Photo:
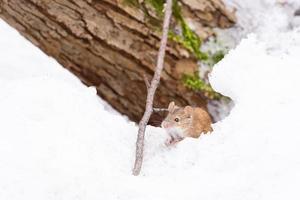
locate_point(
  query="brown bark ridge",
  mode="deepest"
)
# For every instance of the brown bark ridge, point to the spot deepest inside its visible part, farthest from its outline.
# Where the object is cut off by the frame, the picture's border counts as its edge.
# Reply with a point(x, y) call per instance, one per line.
point(110, 45)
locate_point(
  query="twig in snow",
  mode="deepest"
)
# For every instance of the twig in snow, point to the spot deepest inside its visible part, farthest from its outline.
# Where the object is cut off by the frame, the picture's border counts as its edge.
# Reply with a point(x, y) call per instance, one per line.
point(151, 91)
point(146, 82)
point(160, 109)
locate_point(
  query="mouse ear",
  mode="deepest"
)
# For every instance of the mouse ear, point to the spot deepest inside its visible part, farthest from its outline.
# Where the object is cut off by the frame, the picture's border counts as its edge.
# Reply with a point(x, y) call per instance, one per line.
point(171, 106)
point(188, 109)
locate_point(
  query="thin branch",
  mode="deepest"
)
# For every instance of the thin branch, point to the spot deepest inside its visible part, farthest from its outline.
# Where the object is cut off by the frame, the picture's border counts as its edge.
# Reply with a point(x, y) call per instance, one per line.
point(160, 109)
point(151, 91)
point(148, 86)
point(146, 82)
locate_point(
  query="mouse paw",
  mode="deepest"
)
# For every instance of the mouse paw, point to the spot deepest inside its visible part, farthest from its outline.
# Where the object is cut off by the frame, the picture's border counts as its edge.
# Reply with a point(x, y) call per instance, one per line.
point(172, 141)
point(168, 142)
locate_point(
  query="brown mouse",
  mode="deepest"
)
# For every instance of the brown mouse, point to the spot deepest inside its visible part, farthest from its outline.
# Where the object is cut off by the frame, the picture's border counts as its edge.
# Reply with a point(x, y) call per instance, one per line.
point(182, 122)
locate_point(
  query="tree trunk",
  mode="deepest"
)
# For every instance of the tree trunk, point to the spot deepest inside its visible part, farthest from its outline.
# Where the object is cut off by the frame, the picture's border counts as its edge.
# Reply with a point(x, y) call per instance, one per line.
point(111, 45)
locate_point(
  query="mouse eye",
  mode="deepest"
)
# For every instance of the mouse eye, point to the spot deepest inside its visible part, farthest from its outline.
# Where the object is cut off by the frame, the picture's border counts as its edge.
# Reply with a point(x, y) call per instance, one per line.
point(176, 119)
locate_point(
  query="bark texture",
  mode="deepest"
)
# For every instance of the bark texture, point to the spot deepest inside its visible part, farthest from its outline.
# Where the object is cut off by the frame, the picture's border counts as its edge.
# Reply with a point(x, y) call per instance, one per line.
point(111, 45)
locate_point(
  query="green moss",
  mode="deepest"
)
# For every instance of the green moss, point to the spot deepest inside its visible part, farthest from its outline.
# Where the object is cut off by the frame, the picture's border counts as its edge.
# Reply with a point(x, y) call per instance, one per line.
point(188, 39)
point(134, 3)
point(190, 44)
point(218, 56)
point(192, 40)
point(214, 58)
point(158, 5)
point(195, 83)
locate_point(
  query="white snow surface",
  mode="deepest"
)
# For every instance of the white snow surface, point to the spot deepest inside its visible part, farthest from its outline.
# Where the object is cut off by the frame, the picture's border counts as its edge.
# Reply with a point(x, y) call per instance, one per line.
point(59, 141)
point(260, 16)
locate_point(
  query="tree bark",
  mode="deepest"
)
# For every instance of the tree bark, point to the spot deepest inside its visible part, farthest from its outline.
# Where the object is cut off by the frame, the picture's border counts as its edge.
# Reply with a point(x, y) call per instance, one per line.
point(110, 45)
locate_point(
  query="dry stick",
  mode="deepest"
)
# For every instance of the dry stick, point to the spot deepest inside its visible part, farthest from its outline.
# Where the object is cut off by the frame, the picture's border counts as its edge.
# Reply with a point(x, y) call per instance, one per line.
point(146, 82)
point(147, 87)
point(151, 91)
point(160, 109)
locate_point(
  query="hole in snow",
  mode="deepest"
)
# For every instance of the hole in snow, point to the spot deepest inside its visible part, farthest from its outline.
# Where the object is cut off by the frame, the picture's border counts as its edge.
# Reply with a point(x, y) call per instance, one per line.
point(220, 109)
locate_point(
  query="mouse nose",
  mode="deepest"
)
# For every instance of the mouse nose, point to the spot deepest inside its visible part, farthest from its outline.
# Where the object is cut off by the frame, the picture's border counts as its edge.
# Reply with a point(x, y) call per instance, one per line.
point(165, 124)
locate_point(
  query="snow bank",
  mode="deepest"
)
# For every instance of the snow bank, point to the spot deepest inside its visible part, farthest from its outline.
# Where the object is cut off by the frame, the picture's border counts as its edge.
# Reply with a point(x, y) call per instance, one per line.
point(261, 17)
point(59, 141)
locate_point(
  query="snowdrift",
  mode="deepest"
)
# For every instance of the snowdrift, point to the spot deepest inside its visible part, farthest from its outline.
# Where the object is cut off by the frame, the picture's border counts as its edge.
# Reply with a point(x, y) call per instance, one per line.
point(58, 140)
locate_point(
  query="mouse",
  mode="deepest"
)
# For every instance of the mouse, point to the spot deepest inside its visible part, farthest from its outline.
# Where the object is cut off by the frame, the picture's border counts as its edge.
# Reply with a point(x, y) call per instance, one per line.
point(188, 121)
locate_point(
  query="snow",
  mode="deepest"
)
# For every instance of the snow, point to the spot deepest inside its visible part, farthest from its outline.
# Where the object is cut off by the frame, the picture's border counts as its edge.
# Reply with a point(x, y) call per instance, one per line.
point(261, 17)
point(58, 140)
